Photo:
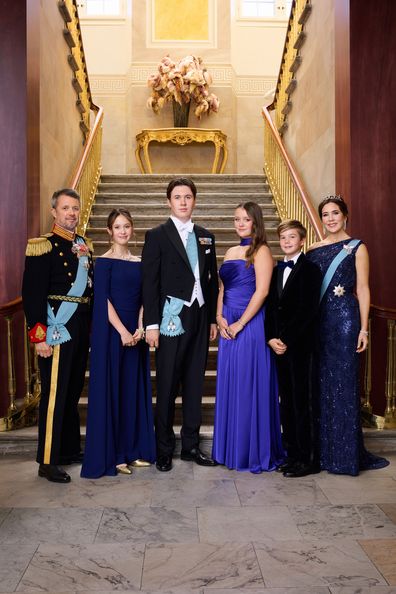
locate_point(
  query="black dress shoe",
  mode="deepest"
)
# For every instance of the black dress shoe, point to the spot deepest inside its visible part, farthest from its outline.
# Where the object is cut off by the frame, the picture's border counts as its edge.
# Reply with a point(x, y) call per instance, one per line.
point(285, 466)
point(195, 455)
point(164, 463)
point(74, 459)
point(53, 473)
point(300, 469)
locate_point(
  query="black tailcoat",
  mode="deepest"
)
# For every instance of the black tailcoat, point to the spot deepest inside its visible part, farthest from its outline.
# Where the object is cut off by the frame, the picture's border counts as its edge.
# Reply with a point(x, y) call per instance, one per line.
point(180, 360)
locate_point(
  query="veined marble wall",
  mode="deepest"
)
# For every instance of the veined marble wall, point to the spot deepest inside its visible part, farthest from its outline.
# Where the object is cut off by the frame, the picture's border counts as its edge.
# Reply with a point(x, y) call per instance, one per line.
point(310, 138)
point(243, 59)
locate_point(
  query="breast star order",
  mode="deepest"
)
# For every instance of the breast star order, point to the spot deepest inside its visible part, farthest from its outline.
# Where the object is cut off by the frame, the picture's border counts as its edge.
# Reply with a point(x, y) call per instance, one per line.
point(339, 291)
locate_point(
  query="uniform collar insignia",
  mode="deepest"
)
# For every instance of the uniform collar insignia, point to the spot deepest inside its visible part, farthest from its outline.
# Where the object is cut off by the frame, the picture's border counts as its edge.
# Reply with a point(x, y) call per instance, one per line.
point(58, 230)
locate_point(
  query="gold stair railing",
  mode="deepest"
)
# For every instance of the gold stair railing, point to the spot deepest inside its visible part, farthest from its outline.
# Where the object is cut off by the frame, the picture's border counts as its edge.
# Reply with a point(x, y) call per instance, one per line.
point(84, 179)
point(388, 420)
point(24, 413)
point(290, 197)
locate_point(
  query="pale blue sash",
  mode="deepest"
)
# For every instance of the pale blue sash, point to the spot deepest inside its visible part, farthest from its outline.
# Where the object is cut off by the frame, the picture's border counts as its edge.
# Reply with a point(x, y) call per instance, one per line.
point(345, 251)
point(171, 323)
point(57, 332)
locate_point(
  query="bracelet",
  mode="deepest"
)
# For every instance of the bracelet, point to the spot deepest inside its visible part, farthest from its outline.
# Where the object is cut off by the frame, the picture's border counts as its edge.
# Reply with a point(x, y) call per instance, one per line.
point(219, 316)
point(241, 323)
point(364, 332)
point(142, 332)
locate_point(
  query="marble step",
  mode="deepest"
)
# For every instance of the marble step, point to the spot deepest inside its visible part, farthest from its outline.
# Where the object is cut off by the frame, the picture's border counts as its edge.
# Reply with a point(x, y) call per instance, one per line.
point(210, 221)
point(198, 178)
point(24, 441)
point(123, 187)
point(158, 208)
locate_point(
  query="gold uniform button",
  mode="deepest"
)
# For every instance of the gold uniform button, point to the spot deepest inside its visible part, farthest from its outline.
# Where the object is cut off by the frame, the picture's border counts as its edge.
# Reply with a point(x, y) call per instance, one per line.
point(56, 245)
point(61, 253)
point(64, 263)
point(69, 274)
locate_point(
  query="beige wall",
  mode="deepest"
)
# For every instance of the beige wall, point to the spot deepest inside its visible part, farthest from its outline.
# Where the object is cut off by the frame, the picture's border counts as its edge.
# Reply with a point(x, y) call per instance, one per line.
point(242, 57)
point(310, 138)
point(60, 134)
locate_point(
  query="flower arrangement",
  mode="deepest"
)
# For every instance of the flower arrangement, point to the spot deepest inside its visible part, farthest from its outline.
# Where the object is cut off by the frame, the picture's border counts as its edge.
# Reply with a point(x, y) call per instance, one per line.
point(183, 82)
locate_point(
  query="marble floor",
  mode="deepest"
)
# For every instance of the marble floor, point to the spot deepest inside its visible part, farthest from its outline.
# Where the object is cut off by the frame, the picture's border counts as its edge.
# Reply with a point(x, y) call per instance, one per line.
point(197, 530)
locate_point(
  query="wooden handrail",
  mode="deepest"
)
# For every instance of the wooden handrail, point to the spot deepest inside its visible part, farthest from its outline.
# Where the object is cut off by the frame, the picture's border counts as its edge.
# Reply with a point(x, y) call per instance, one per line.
point(310, 210)
point(383, 312)
point(75, 178)
point(11, 307)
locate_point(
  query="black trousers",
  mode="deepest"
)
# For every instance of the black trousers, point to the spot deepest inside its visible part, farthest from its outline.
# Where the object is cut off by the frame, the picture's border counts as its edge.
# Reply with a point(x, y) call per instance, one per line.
point(62, 381)
point(181, 362)
point(298, 403)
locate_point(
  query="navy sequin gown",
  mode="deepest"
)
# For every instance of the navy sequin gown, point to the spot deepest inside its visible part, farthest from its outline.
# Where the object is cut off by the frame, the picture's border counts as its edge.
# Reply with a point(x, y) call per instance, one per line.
point(341, 440)
point(247, 432)
point(120, 421)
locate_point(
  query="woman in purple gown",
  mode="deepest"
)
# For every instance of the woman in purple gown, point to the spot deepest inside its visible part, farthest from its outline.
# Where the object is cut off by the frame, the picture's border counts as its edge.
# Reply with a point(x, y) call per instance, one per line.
point(120, 431)
point(343, 335)
point(247, 432)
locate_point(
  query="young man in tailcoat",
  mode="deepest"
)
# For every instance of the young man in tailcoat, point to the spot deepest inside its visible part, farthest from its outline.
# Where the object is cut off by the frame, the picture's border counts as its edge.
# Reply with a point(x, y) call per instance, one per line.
point(56, 294)
point(180, 288)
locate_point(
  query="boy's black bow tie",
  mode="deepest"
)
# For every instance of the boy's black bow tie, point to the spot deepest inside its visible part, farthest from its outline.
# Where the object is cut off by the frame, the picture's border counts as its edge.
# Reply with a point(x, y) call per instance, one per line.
point(283, 265)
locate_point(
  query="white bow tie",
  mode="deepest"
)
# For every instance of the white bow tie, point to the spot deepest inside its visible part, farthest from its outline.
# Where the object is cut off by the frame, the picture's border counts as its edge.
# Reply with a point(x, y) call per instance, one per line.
point(189, 227)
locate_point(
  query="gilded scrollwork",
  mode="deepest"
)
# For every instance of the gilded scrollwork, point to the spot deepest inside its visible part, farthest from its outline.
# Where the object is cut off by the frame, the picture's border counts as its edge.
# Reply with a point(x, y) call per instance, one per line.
point(181, 136)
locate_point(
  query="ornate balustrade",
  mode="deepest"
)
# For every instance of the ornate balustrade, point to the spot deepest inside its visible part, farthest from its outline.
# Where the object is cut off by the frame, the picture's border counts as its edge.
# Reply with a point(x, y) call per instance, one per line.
point(290, 197)
point(291, 60)
point(20, 413)
point(382, 331)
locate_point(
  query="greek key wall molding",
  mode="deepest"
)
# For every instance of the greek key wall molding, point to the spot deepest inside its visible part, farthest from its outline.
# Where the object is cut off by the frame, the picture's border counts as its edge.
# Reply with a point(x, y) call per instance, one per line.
point(108, 84)
point(223, 76)
point(253, 85)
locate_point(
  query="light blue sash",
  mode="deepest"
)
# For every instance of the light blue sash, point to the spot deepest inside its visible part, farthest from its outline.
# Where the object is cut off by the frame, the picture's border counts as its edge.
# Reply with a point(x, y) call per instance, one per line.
point(171, 323)
point(345, 251)
point(56, 330)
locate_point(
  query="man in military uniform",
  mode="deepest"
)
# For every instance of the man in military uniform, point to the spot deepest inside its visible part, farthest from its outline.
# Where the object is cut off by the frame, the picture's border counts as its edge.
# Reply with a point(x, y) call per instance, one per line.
point(56, 294)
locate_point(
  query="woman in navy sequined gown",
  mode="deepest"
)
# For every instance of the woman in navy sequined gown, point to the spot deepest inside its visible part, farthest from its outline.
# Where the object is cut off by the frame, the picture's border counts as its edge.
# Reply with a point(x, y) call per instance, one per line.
point(120, 430)
point(343, 335)
point(247, 426)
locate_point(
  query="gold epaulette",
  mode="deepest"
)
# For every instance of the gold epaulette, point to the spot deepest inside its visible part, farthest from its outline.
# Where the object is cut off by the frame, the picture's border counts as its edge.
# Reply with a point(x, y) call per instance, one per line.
point(38, 246)
point(89, 244)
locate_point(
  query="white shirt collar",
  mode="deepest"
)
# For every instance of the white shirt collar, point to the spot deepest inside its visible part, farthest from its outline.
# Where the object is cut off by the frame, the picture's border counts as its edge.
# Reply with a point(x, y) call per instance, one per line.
point(182, 227)
point(293, 259)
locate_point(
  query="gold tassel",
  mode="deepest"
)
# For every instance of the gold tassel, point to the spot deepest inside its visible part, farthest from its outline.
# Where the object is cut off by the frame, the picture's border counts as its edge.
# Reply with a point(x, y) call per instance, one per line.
point(38, 246)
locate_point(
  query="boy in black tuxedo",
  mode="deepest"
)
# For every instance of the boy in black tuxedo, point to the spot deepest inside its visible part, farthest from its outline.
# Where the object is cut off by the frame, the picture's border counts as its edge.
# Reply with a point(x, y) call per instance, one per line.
point(180, 290)
point(292, 306)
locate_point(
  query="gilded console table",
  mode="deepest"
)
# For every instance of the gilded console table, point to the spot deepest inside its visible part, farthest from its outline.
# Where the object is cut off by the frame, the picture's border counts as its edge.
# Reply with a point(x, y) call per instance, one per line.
point(181, 136)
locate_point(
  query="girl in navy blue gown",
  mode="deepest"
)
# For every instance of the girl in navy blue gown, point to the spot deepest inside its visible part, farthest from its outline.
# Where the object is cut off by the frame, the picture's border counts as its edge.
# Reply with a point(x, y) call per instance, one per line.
point(120, 431)
point(247, 427)
point(343, 335)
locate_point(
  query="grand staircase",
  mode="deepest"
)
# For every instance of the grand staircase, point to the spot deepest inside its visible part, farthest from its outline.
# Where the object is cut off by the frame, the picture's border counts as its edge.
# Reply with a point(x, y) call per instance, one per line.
point(145, 197)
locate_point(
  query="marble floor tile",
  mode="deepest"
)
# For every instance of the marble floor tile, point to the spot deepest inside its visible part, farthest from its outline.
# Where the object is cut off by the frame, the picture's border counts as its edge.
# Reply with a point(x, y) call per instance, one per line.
point(345, 521)
point(217, 524)
point(204, 473)
point(59, 568)
point(315, 563)
point(304, 590)
point(142, 525)
point(304, 491)
point(182, 568)
point(382, 553)
point(82, 493)
point(4, 511)
point(175, 493)
point(389, 509)
point(14, 559)
point(363, 590)
point(359, 489)
point(35, 525)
